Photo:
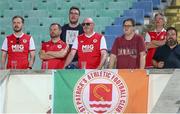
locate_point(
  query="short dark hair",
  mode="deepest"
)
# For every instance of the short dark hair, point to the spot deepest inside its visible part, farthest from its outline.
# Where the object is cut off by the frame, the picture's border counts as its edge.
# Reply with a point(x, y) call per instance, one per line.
point(59, 26)
point(130, 19)
point(74, 7)
point(171, 28)
point(17, 16)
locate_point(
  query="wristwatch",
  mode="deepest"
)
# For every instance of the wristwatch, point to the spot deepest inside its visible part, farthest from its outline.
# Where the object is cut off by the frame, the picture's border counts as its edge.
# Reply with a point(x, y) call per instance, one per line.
point(29, 67)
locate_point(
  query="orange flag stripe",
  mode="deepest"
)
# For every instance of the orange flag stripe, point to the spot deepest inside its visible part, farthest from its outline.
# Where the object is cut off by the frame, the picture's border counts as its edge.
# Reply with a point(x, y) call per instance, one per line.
point(137, 83)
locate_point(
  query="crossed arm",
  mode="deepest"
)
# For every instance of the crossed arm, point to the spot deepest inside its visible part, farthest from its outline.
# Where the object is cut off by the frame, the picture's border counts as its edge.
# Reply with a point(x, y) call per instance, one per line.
point(53, 54)
point(155, 43)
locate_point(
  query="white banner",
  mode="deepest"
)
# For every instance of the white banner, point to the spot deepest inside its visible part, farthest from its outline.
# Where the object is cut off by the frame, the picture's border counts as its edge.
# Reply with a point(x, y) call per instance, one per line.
point(3, 89)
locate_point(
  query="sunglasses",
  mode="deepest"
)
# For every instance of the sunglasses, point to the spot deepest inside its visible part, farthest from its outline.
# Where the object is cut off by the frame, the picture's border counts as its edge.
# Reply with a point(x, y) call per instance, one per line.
point(72, 13)
point(17, 40)
point(86, 24)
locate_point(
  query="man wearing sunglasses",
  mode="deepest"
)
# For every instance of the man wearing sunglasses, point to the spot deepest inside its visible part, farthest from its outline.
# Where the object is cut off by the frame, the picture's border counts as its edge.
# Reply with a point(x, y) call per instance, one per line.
point(91, 47)
point(71, 30)
point(17, 47)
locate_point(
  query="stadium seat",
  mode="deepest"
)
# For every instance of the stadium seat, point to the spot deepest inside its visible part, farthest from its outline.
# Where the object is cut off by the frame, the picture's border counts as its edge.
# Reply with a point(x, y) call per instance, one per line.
point(102, 20)
point(32, 21)
point(94, 5)
point(8, 30)
point(156, 3)
point(11, 13)
point(37, 30)
point(51, 5)
point(47, 21)
point(119, 20)
point(69, 4)
point(39, 13)
point(2, 37)
point(114, 30)
point(136, 14)
point(37, 63)
point(4, 22)
point(26, 5)
point(147, 6)
point(99, 28)
point(39, 5)
point(122, 5)
point(88, 13)
point(112, 13)
point(59, 13)
point(110, 41)
point(4, 5)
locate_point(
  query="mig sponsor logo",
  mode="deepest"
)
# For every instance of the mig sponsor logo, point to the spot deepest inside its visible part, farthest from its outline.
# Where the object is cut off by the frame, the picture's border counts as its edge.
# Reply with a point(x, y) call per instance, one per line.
point(87, 48)
point(17, 48)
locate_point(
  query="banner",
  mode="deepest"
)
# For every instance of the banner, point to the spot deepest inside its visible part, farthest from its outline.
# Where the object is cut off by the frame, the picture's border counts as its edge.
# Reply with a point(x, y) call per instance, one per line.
point(4, 76)
point(100, 91)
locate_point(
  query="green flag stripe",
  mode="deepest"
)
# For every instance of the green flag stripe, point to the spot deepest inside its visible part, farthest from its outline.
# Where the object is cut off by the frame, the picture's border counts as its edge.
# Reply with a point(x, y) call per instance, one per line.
point(64, 82)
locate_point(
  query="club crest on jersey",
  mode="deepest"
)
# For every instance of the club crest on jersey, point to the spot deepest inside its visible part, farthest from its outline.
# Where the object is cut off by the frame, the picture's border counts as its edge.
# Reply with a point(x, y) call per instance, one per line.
point(59, 46)
point(11, 41)
point(100, 91)
point(162, 37)
point(81, 41)
point(24, 41)
point(47, 45)
point(95, 41)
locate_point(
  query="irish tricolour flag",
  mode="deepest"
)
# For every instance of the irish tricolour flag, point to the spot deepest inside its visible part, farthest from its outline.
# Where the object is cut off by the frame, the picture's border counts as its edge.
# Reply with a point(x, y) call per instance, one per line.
point(100, 91)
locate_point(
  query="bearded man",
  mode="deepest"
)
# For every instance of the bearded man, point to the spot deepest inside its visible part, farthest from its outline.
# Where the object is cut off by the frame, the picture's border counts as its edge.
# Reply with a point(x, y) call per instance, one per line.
point(17, 47)
point(71, 30)
point(53, 53)
point(168, 55)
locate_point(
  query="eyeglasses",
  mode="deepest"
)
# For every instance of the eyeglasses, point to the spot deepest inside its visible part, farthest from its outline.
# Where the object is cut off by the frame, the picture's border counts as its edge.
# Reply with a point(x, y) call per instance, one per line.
point(17, 41)
point(127, 26)
point(87, 24)
point(72, 13)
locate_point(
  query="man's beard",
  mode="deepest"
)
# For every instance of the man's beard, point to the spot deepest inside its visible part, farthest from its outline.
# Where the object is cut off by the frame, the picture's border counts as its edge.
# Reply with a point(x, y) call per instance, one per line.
point(54, 36)
point(17, 30)
point(171, 42)
point(74, 22)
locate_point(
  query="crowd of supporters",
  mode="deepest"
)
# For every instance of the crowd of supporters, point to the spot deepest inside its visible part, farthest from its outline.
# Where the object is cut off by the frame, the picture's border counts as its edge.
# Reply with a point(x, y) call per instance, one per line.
point(76, 45)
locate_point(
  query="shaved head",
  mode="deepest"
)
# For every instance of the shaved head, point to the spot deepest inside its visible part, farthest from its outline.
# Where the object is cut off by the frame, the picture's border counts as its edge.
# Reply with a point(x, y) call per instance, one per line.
point(88, 20)
point(88, 26)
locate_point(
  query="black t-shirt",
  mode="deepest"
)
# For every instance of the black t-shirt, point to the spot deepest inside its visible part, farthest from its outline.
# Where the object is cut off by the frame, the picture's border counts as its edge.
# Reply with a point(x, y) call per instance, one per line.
point(171, 57)
point(69, 34)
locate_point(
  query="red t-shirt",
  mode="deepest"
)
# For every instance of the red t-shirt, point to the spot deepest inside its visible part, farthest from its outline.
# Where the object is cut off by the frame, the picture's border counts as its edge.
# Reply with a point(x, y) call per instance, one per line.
point(151, 51)
point(18, 50)
point(128, 51)
point(89, 50)
point(56, 63)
